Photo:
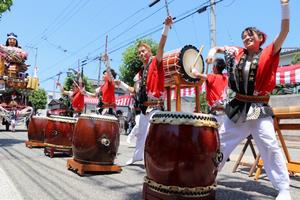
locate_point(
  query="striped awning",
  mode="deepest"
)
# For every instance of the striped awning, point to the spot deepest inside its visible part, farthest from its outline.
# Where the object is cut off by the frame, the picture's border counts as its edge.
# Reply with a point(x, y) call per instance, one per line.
point(124, 100)
point(288, 75)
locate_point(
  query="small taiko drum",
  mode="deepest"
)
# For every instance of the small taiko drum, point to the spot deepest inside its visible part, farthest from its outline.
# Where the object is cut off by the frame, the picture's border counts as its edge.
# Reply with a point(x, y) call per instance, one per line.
point(96, 139)
point(182, 154)
point(181, 62)
point(59, 134)
point(36, 130)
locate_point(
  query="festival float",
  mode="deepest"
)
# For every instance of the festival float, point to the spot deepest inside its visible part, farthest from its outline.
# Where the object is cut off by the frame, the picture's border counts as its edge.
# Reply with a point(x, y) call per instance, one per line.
point(15, 87)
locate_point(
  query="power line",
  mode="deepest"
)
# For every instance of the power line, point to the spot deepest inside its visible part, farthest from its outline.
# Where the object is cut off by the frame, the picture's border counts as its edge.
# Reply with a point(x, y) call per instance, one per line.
point(154, 29)
point(38, 36)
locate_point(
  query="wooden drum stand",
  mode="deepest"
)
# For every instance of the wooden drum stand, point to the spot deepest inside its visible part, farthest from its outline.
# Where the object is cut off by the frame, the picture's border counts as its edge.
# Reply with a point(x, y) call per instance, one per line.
point(181, 83)
point(280, 113)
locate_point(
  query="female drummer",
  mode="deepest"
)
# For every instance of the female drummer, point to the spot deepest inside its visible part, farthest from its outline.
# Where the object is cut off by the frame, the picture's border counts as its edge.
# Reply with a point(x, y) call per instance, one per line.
point(76, 95)
point(251, 73)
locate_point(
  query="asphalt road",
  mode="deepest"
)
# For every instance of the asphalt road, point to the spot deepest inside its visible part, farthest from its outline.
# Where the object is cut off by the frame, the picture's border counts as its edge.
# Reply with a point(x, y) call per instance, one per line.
point(28, 174)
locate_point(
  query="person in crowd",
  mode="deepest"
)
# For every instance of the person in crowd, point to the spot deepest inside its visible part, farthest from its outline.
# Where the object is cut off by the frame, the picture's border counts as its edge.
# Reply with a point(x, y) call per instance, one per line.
point(251, 72)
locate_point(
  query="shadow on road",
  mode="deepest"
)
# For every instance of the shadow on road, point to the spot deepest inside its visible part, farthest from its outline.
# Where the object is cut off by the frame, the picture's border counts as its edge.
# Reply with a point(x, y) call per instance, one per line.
point(9, 142)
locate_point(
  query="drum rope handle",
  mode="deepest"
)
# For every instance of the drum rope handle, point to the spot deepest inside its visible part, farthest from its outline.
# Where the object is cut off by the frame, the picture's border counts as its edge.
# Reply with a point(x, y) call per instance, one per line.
point(197, 57)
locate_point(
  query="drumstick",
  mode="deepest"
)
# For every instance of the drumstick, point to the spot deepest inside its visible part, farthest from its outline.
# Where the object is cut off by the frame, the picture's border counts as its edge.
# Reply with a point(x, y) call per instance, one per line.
point(197, 57)
point(167, 7)
point(206, 71)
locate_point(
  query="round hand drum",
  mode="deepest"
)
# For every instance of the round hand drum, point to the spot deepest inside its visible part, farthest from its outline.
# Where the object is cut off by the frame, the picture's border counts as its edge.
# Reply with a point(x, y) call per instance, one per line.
point(182, 154)
point(96, 139)
point(36, 129)
point(180, 62)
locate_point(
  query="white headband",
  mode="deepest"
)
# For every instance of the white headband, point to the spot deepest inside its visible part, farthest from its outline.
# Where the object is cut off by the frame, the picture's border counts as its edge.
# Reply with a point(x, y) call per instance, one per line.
point(11, 37)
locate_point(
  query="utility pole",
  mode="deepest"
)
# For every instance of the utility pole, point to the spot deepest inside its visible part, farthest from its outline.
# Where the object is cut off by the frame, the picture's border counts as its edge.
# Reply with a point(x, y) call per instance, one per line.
point(99, 73)
point(35, 58)
point(213, 41)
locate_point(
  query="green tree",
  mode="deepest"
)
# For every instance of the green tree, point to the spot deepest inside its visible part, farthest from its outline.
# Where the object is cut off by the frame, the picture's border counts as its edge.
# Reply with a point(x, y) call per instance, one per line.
point(38, 99)
point(131, 62)
point(5, 5)
point(296, 59)
point(68, 82)
point(203, 103)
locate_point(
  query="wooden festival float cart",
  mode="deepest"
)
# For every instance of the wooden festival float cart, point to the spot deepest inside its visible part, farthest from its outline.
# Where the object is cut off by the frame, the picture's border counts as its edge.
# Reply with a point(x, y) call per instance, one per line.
point(15, 87)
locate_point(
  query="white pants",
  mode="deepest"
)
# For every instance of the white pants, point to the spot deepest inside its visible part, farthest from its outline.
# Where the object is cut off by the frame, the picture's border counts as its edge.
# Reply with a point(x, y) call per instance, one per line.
point(220, 119)
point(135, 130)
point(263, 133)
point(143, 129)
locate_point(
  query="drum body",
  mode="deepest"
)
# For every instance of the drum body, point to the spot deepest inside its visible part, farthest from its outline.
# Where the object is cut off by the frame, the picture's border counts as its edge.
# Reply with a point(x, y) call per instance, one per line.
point(182, 150)
point(180, 62)
point(59, 131)
point(36, 128)
point(96, 139)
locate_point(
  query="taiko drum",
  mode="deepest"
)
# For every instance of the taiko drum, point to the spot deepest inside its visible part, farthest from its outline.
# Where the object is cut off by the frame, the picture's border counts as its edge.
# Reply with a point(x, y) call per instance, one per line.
point(182, 153)
point(96, 139)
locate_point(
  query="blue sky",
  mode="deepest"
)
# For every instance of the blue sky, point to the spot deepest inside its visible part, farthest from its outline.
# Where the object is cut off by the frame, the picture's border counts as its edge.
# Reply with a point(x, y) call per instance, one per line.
point(65, 31)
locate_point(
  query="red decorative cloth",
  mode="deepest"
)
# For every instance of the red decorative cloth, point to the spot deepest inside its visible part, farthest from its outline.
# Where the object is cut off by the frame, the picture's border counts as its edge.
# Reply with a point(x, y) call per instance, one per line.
point(78, 101)
point(108, 92)
point(155, 79)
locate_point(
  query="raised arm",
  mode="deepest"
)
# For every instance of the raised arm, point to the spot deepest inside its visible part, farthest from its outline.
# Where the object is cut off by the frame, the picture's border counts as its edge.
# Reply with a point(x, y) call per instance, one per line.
point(212, 52)
point(62, 90)
point(124, 86)
point(285, 25)
point(163, 39)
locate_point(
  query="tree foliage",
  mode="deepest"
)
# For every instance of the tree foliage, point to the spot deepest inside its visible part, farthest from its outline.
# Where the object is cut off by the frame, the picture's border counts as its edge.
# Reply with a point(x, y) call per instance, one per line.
point(38, 99)
point(131, 62)
point(296, 59)
point(5, 5)
point(68, 82)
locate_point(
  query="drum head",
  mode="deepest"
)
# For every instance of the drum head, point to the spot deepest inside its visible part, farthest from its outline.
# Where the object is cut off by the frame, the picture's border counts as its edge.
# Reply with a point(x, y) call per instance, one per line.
point(187, 60)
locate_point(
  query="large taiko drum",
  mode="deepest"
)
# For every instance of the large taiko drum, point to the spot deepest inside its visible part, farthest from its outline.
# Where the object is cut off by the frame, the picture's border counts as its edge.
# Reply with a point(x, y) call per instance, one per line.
point(36, 129)
point(182, 154)
point(180, 62)
point(59, 134)
point(96, 139)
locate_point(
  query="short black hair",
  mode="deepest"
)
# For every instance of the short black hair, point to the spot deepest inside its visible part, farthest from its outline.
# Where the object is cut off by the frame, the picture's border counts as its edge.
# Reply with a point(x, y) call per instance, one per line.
point(220, 64)
point(113, 73)
point(250, 31)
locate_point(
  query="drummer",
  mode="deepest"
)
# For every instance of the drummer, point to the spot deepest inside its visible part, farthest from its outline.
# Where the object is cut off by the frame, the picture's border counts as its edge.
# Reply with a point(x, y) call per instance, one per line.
point(150, 93)
point(251, 71)
point(76, 95)
point(107, 100)
point(216, 88)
